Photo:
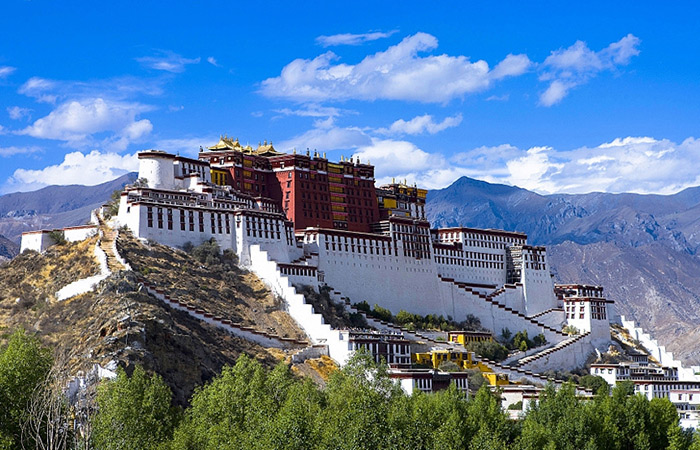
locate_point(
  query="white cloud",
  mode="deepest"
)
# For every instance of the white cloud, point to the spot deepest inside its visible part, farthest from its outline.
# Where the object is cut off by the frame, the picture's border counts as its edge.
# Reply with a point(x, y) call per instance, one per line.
point(352, 39)
point(5, 71)
point(324, 137)
point(167, 61)
point(76, 168)
point(76, 121)
point(511, 66)
point(498, 98)
point(404, 161)
point(575, 65)
point(632, 164)
point(188, 146)
point(391, 156)
point(118, 88)
point(556, 91)
point(421, 124)
point(399, 73)
point(13, 150)
point(211, 60)
point(38, 88)
point(18, 113)
point(314, 110)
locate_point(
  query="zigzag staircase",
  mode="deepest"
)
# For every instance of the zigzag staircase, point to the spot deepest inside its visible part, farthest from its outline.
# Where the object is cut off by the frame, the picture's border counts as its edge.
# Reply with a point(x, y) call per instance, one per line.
point(489, 298)
point(556, 348)
point(515, 373)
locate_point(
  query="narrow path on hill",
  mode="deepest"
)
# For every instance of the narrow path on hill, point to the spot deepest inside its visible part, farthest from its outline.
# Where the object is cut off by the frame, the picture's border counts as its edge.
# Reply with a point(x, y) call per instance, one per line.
point(107, 245)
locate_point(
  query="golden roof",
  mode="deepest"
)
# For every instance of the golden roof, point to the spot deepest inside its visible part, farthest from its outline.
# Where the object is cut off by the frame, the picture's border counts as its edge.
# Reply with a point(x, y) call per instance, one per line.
point(227, 143)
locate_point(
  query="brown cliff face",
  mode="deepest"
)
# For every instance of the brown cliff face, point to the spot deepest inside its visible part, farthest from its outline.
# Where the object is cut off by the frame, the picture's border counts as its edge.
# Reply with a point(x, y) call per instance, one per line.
point(120, 322)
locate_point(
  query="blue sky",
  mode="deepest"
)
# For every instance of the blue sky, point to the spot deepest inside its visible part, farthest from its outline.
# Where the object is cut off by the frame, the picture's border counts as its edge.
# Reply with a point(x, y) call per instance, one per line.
point(551, 97)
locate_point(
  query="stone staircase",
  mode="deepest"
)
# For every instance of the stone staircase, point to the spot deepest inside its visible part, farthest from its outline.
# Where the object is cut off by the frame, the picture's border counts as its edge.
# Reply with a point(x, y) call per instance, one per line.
point(549, 351)
point(546, 311)
point(108, 237)
point(382, 325)
point(490, 298)
point(249, 333)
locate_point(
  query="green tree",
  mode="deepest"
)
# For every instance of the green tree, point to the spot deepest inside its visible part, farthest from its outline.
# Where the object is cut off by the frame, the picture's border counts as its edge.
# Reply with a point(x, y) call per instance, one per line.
point(357, 409)
point(133, 412)
point(24, 365)
point(489, 349)
point(238, 409)
point(595, 383)
point(382, 313)
point(487, 425)
point(293, 427)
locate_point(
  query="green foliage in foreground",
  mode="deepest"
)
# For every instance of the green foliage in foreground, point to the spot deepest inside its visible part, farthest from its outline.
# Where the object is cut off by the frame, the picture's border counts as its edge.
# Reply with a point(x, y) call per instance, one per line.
point(24, 365)
point(250, 407)
point(133, 412)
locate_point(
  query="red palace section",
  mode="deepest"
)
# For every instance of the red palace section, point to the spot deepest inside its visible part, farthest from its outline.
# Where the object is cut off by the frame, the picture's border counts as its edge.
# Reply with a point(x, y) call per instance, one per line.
point(312, 191)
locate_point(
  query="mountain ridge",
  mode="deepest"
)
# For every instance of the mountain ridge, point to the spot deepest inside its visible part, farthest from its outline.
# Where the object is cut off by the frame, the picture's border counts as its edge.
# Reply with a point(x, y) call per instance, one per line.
point(52, 207)
point(643, 248)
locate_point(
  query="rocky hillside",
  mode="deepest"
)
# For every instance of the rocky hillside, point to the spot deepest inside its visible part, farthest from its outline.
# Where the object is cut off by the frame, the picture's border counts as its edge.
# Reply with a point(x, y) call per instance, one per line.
point(120, 322)
point(643, 248)
point(51, 207)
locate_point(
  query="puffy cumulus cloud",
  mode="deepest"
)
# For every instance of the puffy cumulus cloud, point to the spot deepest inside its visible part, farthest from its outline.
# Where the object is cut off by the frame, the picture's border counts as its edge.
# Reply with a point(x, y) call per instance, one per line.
point(575, 65)
point(90, 169)
point(352, 39)
point(421, 124)
point(76, 121)
point(5, 71)
point(169, 62)
point(404, 160)
point(511, 66)
point(633, 164)
point(19, 113)
point(398, 73)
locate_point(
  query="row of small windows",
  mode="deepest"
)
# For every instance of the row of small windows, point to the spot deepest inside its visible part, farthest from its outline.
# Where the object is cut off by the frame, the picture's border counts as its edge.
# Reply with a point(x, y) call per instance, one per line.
point(220, 223)
point(164, 218)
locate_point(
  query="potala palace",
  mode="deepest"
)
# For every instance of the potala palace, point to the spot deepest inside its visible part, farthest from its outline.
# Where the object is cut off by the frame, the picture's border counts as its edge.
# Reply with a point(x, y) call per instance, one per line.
point(300, 219)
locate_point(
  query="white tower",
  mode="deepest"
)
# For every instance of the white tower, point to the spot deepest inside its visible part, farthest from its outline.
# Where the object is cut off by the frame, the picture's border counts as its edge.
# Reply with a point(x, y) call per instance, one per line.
point(157, 168)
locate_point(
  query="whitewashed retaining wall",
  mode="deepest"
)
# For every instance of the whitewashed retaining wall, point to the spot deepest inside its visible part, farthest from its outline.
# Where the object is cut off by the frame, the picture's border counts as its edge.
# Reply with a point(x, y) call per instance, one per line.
point(80, 233)
point(555, 318)
point(310, 352)
point(562, 356)
point(89, 283)
point(302, 312)
point(117, 256)
point(659, 351)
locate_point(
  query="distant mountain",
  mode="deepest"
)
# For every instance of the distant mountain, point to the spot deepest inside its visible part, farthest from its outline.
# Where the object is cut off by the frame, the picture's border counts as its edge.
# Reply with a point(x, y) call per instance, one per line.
point(52, 207)
point(643, 248)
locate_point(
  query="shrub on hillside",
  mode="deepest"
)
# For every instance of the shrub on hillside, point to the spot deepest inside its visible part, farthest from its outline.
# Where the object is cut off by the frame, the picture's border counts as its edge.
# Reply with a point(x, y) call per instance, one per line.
point(489, 349)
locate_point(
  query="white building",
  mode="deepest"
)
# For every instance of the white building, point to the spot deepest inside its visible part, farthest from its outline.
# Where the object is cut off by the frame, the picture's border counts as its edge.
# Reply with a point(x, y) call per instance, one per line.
point(402, 265)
